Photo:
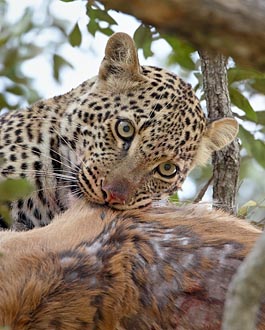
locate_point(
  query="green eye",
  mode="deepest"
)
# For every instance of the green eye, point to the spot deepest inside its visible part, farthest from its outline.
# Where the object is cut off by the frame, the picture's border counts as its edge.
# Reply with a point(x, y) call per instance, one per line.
point(124, 129)
point(168, 170)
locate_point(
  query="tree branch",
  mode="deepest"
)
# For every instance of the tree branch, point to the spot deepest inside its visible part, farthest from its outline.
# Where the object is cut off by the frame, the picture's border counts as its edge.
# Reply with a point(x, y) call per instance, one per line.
point(202, 192)
point(232, 27)
point(226, 161)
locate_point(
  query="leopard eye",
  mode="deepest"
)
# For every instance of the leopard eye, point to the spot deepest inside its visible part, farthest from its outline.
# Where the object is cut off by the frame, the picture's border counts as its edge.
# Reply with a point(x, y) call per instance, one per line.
point(124, 129)
point(167, 170)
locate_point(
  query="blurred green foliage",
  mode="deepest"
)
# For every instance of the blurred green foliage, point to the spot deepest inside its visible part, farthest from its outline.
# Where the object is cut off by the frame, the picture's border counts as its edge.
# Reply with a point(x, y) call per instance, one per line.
point(18, 44)
point(11, 190)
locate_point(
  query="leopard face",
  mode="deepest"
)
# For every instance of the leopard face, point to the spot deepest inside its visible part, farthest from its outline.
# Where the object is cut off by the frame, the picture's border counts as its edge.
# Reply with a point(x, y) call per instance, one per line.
point(143, 142)
point(123, 139)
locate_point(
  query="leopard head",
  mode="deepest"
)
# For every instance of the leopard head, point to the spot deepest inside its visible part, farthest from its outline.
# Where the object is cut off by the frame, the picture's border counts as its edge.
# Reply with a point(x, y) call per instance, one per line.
point(139, 130)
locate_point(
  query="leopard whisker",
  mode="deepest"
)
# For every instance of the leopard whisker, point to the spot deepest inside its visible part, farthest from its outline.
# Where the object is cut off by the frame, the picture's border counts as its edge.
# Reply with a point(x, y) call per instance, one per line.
point(57, 187)
point(49, 157)
point(61, 176)
point(69, 146)
point(77, 193)
point(66, 177)
point(37, 173)
point(44, 172)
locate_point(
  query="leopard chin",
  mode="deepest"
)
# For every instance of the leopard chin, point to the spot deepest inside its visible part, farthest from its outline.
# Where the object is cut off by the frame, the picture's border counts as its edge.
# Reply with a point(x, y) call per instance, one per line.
point(134, 206)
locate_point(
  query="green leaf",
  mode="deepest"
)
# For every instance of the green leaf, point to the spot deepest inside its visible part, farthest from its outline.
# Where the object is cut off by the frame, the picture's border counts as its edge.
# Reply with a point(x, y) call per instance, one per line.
point(260, 118)
point(29, 52)
point(16, 90)
point(11, 190)
point(24, 24)
point(92, 27)
point(240, 101)
point(96, 16)
point(182, 59)
point(143, 40)
point(238, 74)
point(107, 31)
point(181, 52)
point(58, 63)
point(259, 85)
point(75, 37)
point(255, 148)
point(102, 15)
point(3, 102)
point(244, 209)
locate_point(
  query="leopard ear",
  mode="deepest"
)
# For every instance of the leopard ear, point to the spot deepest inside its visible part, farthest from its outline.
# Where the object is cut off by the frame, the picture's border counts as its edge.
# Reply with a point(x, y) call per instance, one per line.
point(121, 60)
point(218, 134)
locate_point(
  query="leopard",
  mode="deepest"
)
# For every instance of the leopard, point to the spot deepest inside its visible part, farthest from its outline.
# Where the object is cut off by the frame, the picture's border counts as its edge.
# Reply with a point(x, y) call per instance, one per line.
point(125, 138)
point(95, 267)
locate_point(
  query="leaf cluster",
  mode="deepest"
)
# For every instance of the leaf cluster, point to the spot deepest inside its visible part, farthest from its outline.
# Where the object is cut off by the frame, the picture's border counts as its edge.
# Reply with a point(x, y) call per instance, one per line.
point(21, 41)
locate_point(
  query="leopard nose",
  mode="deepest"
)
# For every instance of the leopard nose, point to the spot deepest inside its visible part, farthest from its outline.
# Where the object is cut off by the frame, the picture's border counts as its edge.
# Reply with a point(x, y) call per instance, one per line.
point(116, 192)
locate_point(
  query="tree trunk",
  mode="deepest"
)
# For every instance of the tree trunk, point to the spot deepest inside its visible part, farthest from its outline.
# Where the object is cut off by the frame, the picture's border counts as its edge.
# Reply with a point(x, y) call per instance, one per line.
point(226, 161)
point(234, 28)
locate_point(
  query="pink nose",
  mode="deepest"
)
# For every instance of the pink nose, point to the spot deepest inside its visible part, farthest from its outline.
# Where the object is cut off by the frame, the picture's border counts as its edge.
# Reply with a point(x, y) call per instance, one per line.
point(116, 191)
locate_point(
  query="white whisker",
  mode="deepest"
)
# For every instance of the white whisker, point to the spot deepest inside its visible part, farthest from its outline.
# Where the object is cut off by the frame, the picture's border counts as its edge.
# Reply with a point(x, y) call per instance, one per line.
point(55, 188)
point(45, 173)
point(48, 157)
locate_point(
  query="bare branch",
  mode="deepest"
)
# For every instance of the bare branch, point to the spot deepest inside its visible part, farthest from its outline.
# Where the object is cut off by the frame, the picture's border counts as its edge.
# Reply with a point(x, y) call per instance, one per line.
point(202, 192)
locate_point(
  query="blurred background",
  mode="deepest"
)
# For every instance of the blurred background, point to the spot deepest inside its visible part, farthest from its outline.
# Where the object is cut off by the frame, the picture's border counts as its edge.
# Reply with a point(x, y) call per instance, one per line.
point(49, 47)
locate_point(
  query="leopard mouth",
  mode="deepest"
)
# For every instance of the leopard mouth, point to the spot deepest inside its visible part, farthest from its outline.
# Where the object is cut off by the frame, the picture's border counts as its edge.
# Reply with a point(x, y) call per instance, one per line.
point(121, 206)
point(115, 195)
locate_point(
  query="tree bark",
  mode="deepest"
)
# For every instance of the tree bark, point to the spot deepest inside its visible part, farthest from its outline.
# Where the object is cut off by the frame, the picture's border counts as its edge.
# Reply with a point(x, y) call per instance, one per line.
point(226, 161)
point(245, 291)
point(232, 27)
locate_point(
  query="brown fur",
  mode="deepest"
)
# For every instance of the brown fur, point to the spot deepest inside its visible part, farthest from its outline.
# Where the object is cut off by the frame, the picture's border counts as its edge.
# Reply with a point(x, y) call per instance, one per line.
point(166, 268)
